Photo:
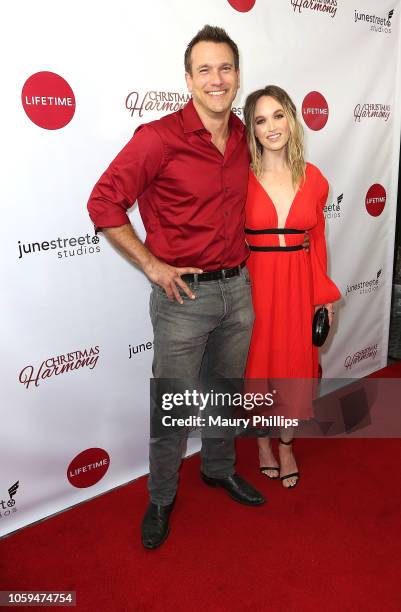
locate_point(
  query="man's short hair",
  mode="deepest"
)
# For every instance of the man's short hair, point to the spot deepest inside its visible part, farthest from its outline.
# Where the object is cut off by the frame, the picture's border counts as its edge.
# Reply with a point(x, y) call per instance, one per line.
point(210, 34)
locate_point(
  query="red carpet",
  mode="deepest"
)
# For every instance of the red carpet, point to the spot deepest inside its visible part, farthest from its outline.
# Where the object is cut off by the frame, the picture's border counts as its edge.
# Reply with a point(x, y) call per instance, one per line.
point(393, 371)
point(331, 544)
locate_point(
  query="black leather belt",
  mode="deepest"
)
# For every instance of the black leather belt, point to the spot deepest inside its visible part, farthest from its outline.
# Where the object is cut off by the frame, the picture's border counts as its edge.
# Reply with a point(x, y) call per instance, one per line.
point(213, 275)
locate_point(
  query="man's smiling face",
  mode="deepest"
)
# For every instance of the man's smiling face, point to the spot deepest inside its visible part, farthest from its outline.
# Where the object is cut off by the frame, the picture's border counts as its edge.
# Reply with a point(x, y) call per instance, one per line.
point(213, 81)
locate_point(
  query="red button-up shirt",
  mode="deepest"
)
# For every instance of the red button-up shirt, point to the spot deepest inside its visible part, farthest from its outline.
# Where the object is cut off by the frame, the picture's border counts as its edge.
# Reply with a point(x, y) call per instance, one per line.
point(191, 198)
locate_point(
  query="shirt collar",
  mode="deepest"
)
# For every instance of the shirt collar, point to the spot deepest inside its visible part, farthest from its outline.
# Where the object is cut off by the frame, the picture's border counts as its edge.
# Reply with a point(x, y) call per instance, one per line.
point(190, 118)
point(193, 123)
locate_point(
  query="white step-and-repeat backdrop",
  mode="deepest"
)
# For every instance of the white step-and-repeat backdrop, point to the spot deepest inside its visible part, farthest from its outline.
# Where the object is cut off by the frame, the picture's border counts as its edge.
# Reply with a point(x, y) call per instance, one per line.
point(76, 82)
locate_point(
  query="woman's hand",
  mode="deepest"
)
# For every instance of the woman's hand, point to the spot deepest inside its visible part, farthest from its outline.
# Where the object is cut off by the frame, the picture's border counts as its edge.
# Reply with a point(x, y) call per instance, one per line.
point(330, 310)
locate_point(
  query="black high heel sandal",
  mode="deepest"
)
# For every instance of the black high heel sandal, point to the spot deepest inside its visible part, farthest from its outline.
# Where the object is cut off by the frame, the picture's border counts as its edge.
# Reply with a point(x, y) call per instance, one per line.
point(293, 474)
point(275, 469)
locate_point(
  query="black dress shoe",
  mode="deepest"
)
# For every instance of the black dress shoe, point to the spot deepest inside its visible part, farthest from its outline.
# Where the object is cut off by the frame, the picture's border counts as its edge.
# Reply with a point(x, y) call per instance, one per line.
point(239, 490)
point(155, 525)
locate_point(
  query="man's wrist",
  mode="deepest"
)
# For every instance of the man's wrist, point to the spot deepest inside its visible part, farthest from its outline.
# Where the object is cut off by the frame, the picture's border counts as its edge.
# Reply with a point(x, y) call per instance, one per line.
point(148, 262)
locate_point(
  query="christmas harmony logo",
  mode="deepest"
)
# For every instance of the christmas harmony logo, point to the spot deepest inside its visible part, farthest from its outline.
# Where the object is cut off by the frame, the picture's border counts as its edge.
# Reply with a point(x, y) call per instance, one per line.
point(321, 6)
point(62, 364)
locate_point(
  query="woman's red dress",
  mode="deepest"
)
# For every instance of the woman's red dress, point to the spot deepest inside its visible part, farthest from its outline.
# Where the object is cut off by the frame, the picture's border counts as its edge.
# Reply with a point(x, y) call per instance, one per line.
point(286, 285)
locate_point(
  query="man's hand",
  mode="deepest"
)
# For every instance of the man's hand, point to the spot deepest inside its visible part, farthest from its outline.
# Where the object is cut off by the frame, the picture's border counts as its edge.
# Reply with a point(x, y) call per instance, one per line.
point(306, 243)
point(169, 278)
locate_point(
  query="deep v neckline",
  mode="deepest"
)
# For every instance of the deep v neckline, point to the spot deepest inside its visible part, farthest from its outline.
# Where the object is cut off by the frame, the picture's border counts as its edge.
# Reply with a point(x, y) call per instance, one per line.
point(273, 204)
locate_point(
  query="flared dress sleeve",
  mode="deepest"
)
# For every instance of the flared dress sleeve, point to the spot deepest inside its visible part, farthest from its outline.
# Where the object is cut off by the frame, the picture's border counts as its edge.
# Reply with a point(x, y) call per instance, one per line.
point(324, 290)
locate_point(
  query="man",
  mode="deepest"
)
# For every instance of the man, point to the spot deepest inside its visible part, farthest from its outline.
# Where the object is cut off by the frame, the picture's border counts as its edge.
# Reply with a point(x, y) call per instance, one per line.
point(189, 172)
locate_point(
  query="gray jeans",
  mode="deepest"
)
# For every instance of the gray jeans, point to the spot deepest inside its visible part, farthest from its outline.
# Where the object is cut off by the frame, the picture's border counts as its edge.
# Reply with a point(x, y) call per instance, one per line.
point(211, 332)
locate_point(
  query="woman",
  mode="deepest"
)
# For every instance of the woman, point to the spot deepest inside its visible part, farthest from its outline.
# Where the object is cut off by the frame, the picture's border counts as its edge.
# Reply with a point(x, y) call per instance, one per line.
point(286, 197)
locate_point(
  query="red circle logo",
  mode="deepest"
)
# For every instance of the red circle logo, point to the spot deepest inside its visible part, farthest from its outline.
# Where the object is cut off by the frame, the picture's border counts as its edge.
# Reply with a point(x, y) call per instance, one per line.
point(243, 6)
point(87, 468)
point(315, 110)
point(48, 100)
point(375, 200)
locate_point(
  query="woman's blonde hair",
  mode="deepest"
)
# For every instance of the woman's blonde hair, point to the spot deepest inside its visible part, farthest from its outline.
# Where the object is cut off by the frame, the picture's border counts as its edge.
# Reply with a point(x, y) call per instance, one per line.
point(295, 146)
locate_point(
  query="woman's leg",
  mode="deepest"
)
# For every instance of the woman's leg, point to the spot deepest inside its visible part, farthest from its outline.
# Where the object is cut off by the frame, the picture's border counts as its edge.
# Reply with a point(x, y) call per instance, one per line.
point(267, 461)
point(289, 474)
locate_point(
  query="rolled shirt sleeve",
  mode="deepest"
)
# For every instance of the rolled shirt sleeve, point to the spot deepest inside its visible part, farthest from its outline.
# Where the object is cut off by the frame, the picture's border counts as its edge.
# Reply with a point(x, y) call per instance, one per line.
point(127, 177)
point(190, 197)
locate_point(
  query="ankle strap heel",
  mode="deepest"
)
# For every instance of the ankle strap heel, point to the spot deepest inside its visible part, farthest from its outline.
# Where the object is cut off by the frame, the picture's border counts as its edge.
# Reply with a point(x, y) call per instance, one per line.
point(293, 474)
point(286, 443)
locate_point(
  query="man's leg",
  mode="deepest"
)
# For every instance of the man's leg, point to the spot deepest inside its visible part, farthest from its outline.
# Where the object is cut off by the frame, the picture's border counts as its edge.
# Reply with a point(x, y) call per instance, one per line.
point(181, 333)
point(226, 356)
point(180, 336)
point(227, 351)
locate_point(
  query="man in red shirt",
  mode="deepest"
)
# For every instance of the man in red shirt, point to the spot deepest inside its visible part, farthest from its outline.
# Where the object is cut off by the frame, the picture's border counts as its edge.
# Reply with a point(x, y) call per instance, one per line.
point(189, 173)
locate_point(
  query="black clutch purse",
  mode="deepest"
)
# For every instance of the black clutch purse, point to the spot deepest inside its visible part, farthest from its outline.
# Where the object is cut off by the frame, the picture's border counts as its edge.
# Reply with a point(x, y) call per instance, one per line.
point(320, 326)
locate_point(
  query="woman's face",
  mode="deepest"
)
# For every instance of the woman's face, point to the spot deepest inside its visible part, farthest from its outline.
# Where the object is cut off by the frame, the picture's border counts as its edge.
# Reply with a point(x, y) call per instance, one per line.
point(271, 124)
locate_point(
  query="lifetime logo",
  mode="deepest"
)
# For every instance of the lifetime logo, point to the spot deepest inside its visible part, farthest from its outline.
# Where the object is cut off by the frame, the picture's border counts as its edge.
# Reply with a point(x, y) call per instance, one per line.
point(315, 110)
point(87, 468)
point(375, 200)
point(242, 6)
point(48, 100)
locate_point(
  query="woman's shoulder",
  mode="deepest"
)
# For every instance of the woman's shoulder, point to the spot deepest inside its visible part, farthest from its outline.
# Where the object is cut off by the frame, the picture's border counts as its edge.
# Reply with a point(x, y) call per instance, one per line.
point(317, 182)
point(314, 173)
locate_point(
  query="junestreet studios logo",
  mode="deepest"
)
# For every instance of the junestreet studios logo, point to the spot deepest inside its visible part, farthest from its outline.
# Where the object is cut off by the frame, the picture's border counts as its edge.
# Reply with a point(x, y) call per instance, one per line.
point(69, 247)
point(139, 348)
point(366, 286)
point(321, 6)
point(371, 111)
point(378, 24)
point(334, 210)
point(87, 468)
point(369, 352)
point(375, 200)
point(54, 366)
point(48, 100)
point(7, 506)
point(150, 101)
point(315, 110)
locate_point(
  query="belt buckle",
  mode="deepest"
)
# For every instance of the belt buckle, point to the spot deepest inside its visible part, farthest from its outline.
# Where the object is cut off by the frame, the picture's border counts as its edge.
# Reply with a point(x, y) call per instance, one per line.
point(223, 274)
